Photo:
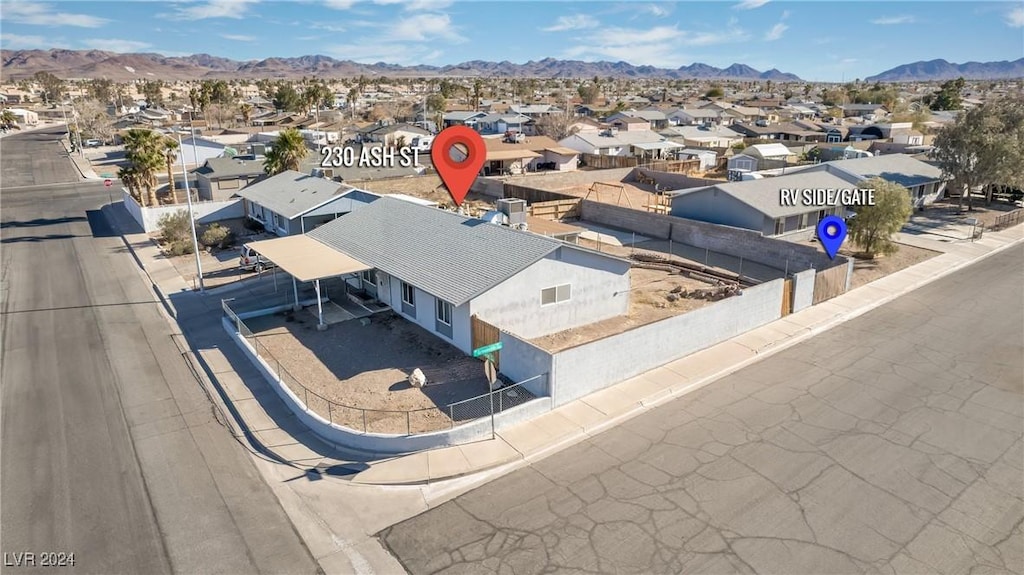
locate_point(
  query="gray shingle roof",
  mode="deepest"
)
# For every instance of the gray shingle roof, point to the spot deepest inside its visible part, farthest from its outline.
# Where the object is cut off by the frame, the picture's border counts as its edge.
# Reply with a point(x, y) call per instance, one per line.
point(447, 255)
point(764, 196)
point(898, 168)
point(292, 193)
point(230, 168)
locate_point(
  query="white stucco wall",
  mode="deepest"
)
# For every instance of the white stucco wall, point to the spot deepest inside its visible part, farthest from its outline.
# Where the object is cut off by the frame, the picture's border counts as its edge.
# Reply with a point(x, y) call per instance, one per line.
point(600, 289)
point(426, 314)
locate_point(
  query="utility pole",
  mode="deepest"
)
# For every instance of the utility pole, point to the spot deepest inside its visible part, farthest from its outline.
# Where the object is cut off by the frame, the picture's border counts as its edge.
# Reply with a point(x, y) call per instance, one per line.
point(191, 215)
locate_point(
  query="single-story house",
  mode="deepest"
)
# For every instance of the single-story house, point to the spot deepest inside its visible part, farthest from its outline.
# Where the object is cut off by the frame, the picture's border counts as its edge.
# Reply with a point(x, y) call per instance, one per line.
point(625, 123)
point(850, 110)
point(292, 203)
point(391, 134)
point(695, 116)
point(221, 178)
point(497, 123)
point(757, 204)
point(701, 137)
point(656, 119)
point(600, 143)
point(24, 117)
point(535, 111)
point(765, 156)
point(535, 153)
point(924, 181)
point(440, 269)
point(462, 118)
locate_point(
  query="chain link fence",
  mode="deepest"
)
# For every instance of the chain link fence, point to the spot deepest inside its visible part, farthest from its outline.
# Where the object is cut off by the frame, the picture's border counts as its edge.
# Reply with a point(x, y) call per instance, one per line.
point(412, 422)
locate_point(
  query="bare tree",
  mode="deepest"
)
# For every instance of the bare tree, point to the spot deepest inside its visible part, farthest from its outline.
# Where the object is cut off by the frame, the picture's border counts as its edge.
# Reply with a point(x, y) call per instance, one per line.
point(221, 114)
point(94, 119)
point(557, 126)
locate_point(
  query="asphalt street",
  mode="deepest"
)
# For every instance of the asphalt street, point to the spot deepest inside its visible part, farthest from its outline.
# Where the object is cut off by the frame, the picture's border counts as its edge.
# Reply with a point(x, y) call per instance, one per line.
point(109, 448)
point(890, 444)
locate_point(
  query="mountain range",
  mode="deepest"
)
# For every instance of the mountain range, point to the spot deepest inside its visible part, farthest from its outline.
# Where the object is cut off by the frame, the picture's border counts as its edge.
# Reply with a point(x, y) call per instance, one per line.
point(934, 70)
point(121, 67)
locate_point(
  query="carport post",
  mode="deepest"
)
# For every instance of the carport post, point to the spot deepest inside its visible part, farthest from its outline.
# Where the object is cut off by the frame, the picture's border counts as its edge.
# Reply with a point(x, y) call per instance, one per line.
point(295, 290)
point(319, 308)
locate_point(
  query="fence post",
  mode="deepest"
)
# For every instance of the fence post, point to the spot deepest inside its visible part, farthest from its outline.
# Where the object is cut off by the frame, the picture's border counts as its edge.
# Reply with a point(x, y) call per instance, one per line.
point(451, 415)
point(491, 397)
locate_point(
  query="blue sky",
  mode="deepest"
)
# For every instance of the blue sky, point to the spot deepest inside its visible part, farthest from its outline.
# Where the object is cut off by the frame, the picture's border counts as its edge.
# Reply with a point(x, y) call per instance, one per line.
point(817, 40)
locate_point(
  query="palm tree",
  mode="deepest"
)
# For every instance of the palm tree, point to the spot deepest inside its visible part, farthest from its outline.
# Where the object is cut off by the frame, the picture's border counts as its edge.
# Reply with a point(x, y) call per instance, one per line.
point(169, 148)
point(144, 154)
point(130, 178)
point(287, 152)
point(8, 119)
point(246, 110)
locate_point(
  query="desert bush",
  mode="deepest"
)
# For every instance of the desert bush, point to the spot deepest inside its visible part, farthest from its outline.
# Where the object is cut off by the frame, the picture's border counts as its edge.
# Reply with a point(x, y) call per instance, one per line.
point(175, 227)
point(180, 248)
point(216, 236)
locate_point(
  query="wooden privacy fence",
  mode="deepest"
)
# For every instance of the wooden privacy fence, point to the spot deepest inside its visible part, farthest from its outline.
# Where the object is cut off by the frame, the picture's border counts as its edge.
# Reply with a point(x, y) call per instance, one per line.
point(787, 297)
point(829, 283)
point(672, 166)
point(556, 209)
point(483, 333)
point(603, 162)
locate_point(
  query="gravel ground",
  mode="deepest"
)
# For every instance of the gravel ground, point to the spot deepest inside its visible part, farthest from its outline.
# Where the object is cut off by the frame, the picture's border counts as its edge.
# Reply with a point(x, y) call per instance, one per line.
point(367, 368)
point(867, 271)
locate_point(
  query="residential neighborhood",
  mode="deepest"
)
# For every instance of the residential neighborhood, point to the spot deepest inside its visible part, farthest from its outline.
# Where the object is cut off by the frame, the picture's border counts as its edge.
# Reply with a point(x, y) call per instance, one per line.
point(518, 290)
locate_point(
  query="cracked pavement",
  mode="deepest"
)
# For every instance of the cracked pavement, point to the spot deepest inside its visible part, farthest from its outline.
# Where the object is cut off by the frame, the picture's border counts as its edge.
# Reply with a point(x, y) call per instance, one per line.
point(890, 444)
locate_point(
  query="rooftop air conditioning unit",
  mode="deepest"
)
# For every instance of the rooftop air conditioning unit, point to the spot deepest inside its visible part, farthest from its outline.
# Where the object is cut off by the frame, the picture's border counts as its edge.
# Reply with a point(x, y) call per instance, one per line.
point(514, 209)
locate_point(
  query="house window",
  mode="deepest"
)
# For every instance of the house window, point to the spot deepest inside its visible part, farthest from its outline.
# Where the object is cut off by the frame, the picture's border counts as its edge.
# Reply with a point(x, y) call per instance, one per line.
point(408, 295)
point(444, 312)
point(556, 294)
point(366, 276)
point(780, 226)
point(805, 220)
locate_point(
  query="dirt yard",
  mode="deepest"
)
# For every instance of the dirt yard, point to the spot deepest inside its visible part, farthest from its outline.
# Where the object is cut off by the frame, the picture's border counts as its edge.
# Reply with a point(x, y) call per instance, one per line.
point(985, 214)
point(367, 367)
point(220, 266)
point(651, 299)
point(867, 271)
point(427, 187)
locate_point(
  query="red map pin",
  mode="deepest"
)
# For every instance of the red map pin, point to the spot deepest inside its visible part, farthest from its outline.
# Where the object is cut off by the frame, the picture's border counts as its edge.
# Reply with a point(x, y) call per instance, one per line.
point(457, 175)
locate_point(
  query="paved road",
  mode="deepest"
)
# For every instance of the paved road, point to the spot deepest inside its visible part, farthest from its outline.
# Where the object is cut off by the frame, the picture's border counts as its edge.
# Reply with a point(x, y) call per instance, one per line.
point(110, 449)
point(891, 444)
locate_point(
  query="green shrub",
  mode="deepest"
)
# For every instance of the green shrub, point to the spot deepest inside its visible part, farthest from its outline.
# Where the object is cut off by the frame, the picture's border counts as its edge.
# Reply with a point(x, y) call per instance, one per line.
point(175, 227)
point(180, 248)
point(215, 236)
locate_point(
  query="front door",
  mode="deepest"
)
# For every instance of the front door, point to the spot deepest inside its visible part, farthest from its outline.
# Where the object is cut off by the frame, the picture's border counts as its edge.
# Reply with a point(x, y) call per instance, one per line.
point(383, 288)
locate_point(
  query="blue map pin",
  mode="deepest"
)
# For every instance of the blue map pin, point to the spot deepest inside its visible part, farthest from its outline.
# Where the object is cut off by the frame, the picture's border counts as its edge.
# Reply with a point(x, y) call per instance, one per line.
point(831, 232)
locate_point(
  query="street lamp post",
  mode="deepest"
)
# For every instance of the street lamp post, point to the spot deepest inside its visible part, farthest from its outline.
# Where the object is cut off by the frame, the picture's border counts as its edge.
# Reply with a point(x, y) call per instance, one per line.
point(191, 215)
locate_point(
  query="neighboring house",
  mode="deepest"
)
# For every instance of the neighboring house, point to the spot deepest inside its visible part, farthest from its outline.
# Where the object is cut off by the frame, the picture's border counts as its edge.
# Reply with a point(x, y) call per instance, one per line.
point(924, 181)
point(535, 111)
point(695, 117)
point(756, 204)
point(462, 118)
point(655, 119)
point(708, 158)
point(197, 151)
point(599, 143)
point(624, 122)
point(221, 178)
point(700, 137)
point(25, 117)
point(391, 134)
point(594, 111)
point(587, 124)
point(649, 145)
point(440, 269)
point(765, 156)
point(292, 203)
point(500, 123)
point(536, 153)
point(851, 110)
point(786, 132)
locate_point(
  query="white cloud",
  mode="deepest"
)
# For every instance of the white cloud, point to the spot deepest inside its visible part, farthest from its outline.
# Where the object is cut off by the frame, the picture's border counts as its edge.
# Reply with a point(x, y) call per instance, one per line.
point(238, 37)
point(340, 4)
point(656, 10)
point(657, 46)
point(848, 61)
point(19, 42)
point(421, 5)
point(38, 14)
point(115, 45)
point(212, 9)
point(776, 32)
point(1015, 18)
point(750, 4)
point(893, 20)
point(574, 22)
point(326, 26)
point(425, 28)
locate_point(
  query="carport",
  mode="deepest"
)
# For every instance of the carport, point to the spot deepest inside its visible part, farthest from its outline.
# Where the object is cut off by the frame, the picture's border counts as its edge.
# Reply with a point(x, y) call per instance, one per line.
point(308, 260)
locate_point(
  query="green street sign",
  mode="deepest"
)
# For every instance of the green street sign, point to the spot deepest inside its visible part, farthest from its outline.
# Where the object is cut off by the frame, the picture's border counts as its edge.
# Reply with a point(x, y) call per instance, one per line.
point(486, 349)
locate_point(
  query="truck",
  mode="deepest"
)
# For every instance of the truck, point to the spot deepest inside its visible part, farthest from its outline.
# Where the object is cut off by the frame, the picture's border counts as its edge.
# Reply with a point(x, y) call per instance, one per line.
point(422, 143)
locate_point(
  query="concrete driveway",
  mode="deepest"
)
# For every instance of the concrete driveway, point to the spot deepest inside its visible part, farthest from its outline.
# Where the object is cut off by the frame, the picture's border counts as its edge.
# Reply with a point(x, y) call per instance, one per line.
point(891, 444)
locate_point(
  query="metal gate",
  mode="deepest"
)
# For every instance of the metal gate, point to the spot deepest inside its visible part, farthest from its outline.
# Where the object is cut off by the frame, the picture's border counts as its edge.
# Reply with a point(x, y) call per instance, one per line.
point(483, 333)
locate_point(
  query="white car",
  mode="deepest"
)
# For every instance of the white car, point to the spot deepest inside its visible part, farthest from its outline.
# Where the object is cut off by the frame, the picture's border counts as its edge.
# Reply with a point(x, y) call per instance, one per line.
point(93, 143)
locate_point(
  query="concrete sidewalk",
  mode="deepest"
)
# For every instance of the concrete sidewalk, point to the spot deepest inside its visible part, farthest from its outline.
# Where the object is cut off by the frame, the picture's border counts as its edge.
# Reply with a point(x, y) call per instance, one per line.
point(593, 414)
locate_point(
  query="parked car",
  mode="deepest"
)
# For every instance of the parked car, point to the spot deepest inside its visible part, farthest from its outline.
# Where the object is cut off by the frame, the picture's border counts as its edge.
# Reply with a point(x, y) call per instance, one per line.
point(93, 143)
point(251, 260)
